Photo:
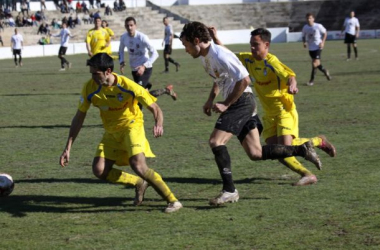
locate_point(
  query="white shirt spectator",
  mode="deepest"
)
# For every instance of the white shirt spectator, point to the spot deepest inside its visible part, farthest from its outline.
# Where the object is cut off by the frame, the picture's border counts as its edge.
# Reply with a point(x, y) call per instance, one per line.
point(16, 41)
point(224, 66)
point(350, 24)
point(139, 47)
point(313, 35)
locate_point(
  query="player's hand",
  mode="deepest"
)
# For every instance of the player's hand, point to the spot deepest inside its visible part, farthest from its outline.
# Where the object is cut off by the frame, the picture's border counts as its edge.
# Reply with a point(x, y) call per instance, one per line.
point(90, 54)
point(213, 32)
point(64, 159)
point(304, 45)
point(122, 64)
point(158, 131)
point(140, 70)
point(292, 83)
point(321, 45)
point(219, 107)
point(207, 108)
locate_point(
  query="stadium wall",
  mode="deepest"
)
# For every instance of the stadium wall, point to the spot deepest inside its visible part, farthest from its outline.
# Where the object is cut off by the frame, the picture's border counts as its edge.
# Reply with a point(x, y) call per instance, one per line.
point(279, 35)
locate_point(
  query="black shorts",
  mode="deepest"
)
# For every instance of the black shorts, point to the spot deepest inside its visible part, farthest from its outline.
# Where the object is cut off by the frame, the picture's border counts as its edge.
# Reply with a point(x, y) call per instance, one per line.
point(238, 119)
point(144, 79)
point(17, 52)
point(62, 51)
point(253, 122)
point(167, 49)
point(315, 54)
point(348, 38)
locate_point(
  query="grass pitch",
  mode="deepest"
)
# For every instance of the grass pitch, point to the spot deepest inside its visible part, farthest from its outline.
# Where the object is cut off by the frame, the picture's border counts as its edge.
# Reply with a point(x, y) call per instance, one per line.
point(68, 208)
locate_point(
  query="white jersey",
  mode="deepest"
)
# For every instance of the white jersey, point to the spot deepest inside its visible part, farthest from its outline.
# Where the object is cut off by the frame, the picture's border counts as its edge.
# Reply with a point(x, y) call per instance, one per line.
point(313, 35)
point(168, 34)
point(350, 25)
point(224, 66)
point(65, 37)
point(139, 48)
point(16, 41)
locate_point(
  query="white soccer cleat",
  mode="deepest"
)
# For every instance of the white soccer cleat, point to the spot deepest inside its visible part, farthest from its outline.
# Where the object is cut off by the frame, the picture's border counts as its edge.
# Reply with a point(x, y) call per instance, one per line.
point(62, 69)
point(224, 197)
point(173, 207)
point(306, 180)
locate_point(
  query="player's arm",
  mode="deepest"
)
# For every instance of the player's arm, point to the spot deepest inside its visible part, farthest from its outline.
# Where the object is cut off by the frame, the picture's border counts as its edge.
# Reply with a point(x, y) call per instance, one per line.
point(121, 55)
point(322, 44)
point(76, 125)
point(344, 25)
point(357, 28)
point(238, 90)
point(158, 129)
point(153, 55)
point(207, 107)
point(304, 40)
point(214, 35)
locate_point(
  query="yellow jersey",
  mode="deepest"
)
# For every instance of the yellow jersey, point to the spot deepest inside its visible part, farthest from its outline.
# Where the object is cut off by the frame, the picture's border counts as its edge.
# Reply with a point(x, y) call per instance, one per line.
point(270, 78)
point(97, 40)
point(118, 104)
point(111, 34)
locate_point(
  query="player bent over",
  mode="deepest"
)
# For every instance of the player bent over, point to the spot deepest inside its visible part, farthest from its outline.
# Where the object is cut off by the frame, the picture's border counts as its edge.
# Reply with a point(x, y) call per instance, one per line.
point(237, 111)
point(124, 141)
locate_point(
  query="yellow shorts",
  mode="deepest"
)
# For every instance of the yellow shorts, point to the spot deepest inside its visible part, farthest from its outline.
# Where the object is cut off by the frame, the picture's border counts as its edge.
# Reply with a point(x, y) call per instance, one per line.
point(285, 123)
point(122, 145)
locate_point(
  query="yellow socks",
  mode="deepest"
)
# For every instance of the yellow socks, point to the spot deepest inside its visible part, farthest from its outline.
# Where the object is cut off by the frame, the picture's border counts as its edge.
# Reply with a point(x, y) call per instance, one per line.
point(155, 180)
point(119, 177)
point(293, 164)
point(317, 141)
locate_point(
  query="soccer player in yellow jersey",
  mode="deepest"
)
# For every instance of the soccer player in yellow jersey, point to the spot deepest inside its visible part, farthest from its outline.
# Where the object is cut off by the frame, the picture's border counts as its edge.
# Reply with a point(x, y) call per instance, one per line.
point(111, 35)
point(124, 141)
point(97, 40)
point(276, 85)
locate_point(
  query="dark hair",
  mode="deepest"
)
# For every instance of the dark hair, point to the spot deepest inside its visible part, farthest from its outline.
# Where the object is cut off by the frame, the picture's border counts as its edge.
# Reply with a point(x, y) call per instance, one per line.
point(309, 15)
point(128, 19)
point(105, 22)
point(194, 30)
point(101, 61)
point(163, 19)
point(264, 34)
point(96, 18)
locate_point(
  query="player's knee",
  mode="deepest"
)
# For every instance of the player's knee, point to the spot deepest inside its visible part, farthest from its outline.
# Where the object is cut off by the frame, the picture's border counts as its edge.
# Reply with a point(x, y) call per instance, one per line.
point(214, 142)
point(254, 155)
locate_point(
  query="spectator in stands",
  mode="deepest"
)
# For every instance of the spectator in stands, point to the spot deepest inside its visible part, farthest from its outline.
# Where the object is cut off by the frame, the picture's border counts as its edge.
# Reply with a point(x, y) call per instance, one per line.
point(34, 20)
point(11, 22)
point(122, 5)
point(351, 27)
point(43, 29)
point(98, 4)
point(64, 20)
point(108, 11)
point(45, 40)
point(115, 6)
point(77, 20)
point(43, 5)
point(19, 20)
point(29, 21)
point(78, 7)
point(84, 7)
point(7, 12)
point(1, 25)
point(28, 4)
point(14, 4)
point(86, 18)
point(24, 8)
point(54, 24)
point(314, 36)
point(56, 4)
point(91, 4)
point(70, 22)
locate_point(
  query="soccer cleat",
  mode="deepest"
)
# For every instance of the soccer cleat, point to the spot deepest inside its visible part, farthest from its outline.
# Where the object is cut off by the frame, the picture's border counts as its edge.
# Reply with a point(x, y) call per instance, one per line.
point(327, 74)
point(306, 180)
point(311, 155)
point(170, 91)
point(173, 207)
point(224, 197)
point(20, 64)
point(69, 66)
point(140, 191)
point(327, 146)
point(177, 65)
point(62, 69)
point(310, 83)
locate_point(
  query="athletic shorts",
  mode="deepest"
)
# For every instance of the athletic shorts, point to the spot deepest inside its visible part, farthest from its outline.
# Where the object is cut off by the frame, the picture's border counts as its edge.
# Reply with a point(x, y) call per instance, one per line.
point(348, 38)
point(285, 123)
point(238, 119)
point(17, 52)
point(62, 51)
point(167, 49)
point(121, 146)
point(144, 79)
point(315, 54)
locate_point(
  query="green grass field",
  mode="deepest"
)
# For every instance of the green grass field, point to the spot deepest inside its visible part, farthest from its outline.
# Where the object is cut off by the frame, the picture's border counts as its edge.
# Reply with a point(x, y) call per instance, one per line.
point(68, 208)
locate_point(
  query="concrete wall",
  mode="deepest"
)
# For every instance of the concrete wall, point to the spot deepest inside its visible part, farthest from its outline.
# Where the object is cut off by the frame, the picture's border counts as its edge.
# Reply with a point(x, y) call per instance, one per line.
point(279, 35)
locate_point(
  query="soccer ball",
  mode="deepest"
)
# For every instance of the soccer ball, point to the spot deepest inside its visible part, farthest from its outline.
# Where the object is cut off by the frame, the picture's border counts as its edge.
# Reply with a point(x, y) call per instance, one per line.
point(6, 185)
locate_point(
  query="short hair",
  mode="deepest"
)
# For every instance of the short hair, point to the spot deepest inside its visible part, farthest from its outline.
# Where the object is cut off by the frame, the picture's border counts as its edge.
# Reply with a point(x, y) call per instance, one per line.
point(101, 61)
point(130, 18)
point(264, 34)
point(309, 15)
point(96, 18)
point(104, 21)
point(163, 19)
point(194, 30)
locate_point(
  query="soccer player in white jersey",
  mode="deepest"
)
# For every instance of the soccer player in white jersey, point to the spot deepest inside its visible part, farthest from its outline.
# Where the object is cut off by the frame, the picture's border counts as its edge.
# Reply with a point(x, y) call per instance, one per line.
point(168, 41)
point(351, 27)
point(314, 36)
point(142, 55)
point(237, 111)
point(65, 36)
point(17, 43)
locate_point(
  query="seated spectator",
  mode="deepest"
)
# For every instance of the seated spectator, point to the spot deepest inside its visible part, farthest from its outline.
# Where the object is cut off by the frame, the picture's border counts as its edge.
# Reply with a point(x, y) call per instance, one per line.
point(98, 4)
point(1, 25)
point(122, 5)
point(70, 22)
point(70, 6)
point(19, 20)
point(24, 8)
point(64, 20)
point(108, 11)
point(34, 20)
point(77, 20)
point(78, 7)
point(43, 29)
point(44, 40)
point(29, 21)
point(54, 24)
point(86, 18)
point(116, 6)
point(43, 5)
point(1, 41)
point(38, 16)
point(84, 7)
point(91, 4)
point(56, 3)
point(7, 12)
point(11, 22)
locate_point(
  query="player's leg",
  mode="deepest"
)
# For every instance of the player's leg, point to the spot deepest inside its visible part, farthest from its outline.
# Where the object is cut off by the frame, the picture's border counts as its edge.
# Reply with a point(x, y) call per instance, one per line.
point(140, 167)
point(348, 51)
point(15, 57)
point(355, 46)
point(19, 58)
point(217, 142)
point(313, 68)
point(320, 66)
point(166, 59)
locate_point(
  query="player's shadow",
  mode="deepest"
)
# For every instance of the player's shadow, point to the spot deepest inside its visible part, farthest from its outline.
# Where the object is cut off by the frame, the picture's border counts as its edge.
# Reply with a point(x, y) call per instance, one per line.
point(258, 180)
